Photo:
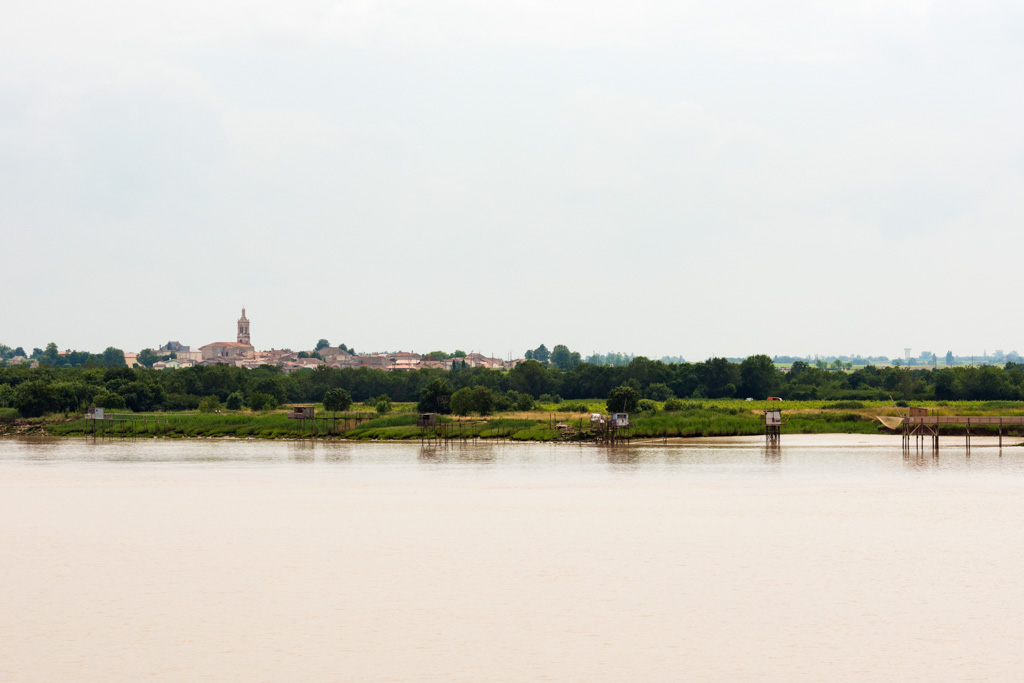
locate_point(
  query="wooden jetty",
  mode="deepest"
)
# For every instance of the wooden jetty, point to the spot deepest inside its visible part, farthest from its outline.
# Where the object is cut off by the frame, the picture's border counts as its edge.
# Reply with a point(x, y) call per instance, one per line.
point(925, 423)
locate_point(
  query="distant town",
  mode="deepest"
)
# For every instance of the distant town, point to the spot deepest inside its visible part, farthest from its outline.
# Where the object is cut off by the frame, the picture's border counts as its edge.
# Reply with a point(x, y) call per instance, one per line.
point(241, 353)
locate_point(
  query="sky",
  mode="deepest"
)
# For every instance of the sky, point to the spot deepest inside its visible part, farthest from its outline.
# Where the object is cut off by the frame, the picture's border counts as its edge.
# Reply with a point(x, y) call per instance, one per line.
point(657, 177)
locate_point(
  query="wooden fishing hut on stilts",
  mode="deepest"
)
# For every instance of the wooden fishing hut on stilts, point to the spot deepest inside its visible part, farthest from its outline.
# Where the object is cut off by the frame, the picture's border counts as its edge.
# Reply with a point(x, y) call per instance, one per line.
point(772, 421)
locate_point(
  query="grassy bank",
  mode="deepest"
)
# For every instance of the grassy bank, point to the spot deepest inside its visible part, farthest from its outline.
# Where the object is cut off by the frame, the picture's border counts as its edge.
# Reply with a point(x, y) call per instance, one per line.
point(547, 422)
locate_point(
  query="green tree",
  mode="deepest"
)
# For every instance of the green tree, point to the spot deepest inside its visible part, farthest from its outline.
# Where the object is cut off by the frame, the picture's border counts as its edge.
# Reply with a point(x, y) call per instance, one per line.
point(435, 397)
point(6, 396)
point(541, 354)
point(383, 404)
point(113, 358)
point(322, 344)
point(945, 384)
point(147, 357)
point(49, 355)
point(462, 401)
point(109, 400)
point(531, 378)
point(659, 391)
point(949, 358)
point(623, 399)
point(719, 377)
point(141, 397)
point(758, 377)
point(234, 401)
point(564, 358)
point(483, 400)
point(458, 353)
point(478, 399)
point(35, 398)
point(272, 384)
point(337, 400)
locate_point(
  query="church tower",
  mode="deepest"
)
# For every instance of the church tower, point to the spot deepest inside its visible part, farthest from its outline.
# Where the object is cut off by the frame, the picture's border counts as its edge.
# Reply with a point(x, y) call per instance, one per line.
point(243, 328)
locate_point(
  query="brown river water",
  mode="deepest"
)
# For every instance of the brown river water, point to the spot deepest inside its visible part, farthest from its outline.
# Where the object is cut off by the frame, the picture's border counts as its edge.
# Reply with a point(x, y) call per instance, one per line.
point(829, 560)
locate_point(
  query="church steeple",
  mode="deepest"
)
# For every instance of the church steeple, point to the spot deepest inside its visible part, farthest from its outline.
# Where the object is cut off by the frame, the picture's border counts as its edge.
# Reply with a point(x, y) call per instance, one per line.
point(243, 328)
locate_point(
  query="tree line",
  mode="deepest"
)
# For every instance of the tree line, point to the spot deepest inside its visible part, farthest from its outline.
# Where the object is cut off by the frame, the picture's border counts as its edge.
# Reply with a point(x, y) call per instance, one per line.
point(49, 389)
point(110, 358)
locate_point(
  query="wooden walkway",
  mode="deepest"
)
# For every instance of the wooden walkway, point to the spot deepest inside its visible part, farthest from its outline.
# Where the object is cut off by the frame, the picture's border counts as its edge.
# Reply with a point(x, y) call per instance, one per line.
point(920, 425)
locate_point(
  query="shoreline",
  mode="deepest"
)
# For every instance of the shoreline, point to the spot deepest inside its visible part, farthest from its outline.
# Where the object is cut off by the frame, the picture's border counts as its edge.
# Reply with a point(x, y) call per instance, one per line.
point(817, 440)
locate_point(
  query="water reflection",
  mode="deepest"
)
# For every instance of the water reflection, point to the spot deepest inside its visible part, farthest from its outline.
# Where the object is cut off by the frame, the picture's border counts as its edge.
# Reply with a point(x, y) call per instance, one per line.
point(577, 460)
point(433, 454)
point(623, 457)
point(302, 451)
point(338, 455)
point(920, 460)
point(458, 453)
point(773, 457)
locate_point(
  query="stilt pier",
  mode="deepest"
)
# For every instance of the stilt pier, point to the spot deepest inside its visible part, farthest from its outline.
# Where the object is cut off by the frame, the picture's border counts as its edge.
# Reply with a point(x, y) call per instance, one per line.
point(923, 424)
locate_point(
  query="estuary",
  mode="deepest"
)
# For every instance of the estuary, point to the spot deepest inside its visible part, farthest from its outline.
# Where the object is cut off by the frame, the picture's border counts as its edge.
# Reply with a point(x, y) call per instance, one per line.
point(827, 559)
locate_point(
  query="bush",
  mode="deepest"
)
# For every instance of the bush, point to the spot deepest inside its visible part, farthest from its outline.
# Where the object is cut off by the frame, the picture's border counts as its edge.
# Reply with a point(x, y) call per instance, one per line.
point(524, 402)
point(383, 404)
point(259, 401)
point(209, 404)
point(646, 405)
point(548, 398)
point(575, 408)
point(674, 404)
point(234, 401)
point(336, 400)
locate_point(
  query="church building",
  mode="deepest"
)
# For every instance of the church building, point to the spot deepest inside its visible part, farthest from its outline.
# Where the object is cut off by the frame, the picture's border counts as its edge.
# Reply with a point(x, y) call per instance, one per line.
point(242, 347)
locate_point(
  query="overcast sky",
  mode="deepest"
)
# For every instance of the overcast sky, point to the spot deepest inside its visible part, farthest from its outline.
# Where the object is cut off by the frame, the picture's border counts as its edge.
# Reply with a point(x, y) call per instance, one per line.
point(692, 178)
